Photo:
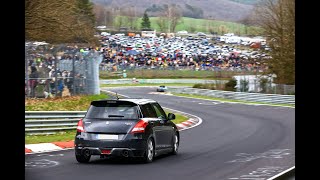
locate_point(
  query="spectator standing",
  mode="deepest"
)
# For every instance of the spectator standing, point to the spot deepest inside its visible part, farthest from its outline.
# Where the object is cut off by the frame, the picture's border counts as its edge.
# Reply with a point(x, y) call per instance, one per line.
point(33, 82)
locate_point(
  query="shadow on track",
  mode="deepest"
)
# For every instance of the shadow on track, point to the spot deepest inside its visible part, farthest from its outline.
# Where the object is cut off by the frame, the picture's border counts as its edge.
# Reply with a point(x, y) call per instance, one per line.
point(125, 161)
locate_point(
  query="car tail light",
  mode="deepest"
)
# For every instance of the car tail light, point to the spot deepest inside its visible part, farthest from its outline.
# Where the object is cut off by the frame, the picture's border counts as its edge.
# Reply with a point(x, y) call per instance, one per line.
point(139, 127)
point(80, 127)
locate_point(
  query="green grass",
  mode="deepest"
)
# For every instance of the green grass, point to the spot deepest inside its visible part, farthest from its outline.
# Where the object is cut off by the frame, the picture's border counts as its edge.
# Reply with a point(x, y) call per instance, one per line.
point(70, 134)
point(179, 118)
point(229, 100)
point(147, 84)
point(74, 103)
point(203, 25)
point(174, 74)
point(58, 137)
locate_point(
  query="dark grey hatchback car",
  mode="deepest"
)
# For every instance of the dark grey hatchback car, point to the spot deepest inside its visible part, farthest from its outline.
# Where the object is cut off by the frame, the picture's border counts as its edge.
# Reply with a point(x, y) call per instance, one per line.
point(137, 128)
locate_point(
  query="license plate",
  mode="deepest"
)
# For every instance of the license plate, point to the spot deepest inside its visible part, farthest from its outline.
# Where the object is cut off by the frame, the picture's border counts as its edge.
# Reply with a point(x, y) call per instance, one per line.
point(107, 136)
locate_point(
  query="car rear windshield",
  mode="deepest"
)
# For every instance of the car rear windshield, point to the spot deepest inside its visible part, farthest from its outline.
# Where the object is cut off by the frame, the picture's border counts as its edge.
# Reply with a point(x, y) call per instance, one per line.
point(112, 110)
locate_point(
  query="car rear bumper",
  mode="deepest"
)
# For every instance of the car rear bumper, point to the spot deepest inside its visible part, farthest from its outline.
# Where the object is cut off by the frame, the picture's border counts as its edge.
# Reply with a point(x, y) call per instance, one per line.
point(125, 148)
point(123, 152)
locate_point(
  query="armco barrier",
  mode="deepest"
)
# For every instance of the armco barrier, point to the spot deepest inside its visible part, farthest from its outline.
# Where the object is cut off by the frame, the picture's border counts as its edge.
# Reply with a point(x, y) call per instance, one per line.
point(50, 122)
point(250, 97)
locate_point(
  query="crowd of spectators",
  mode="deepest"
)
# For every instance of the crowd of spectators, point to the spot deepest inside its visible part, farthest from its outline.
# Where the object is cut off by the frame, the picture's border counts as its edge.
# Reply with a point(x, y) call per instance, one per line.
point(51, 80)
point(117, 55)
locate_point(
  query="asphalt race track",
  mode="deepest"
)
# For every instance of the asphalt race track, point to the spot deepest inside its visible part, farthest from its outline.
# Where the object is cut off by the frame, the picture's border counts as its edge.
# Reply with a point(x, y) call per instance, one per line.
point(234, 141)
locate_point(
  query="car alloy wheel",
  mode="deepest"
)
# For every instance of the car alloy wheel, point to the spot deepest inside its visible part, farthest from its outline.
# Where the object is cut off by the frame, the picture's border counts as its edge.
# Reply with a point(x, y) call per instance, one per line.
point(175, 144)
point(149, 151)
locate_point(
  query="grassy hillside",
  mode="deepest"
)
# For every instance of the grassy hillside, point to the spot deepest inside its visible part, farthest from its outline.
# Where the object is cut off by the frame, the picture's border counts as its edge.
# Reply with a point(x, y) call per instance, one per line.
point(203, 25)
point(226, 10)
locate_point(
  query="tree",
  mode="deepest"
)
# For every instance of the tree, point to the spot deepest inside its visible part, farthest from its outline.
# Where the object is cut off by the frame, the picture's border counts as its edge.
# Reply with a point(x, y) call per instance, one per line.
point(162, 23)
point(173, 15)
point(223, 29)
point(131, 17)
point(120, 20)
point(277, 18)
point(59, 21)
point(247, 21)
point(86, 20)
point(263, 85)
point(145, 24)
point(85, 8)
point(244, 85)
point(104, 16)
point(109, 17)
point(100, 13)
point(231, 85)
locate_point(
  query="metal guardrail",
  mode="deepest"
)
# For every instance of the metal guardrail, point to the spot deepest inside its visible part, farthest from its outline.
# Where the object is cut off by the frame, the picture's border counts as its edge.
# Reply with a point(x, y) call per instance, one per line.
point(50, 122)
point(251, 97)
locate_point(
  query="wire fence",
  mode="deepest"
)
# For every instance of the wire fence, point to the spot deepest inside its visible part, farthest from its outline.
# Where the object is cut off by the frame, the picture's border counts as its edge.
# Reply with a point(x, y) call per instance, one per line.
point(267, 88)
point(262, 84)
point(61, 70)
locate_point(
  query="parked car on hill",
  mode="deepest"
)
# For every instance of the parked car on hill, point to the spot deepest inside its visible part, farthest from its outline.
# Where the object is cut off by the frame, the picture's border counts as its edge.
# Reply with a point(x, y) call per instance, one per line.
point(182, 32)
point(201, 34)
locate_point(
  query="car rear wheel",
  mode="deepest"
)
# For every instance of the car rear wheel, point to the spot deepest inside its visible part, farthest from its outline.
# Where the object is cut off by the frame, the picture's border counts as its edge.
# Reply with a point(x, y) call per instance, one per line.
point(149, 155)
point(84, 157)
point(175, 144)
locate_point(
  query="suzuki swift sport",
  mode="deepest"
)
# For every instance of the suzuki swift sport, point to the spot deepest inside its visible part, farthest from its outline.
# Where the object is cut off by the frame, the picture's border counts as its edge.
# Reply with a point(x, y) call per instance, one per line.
point(137, 128)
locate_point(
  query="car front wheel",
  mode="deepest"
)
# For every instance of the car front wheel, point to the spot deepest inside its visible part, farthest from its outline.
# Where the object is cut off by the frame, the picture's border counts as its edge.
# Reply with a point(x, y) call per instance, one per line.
point(175, 145)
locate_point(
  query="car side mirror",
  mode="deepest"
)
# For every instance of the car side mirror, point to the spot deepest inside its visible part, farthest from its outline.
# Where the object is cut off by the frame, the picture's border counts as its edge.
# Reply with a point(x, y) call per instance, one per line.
point(171, 116)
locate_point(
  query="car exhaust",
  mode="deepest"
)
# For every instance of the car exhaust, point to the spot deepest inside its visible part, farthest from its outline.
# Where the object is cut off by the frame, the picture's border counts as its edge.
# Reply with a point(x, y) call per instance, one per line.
point(125, 153)
point(86, 152)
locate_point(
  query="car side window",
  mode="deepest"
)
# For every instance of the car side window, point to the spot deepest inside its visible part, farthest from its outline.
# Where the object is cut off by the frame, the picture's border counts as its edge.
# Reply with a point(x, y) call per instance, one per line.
point(148, 111)
point(160, 112)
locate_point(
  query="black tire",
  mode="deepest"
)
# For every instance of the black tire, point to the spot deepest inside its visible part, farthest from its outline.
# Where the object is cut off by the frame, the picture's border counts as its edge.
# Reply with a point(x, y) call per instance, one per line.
point(175, 144)
point(83, 158)
point(150, 151)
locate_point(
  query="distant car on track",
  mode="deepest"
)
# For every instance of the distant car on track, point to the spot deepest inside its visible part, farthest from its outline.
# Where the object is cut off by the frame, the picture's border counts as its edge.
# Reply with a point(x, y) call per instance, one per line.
point(162, 89)
point(137, 128)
